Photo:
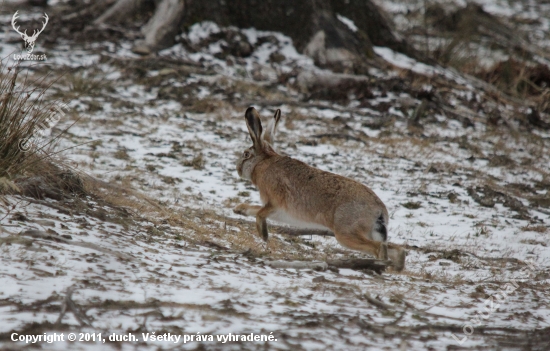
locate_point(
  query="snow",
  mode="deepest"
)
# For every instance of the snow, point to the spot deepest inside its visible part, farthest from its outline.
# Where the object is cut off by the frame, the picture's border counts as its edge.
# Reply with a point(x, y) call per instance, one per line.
point(186, 286)
point(201, 31)
point(349, 23)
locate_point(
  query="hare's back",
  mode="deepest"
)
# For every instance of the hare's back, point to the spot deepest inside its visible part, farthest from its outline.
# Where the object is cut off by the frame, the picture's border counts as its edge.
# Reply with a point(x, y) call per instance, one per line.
point(307, 187)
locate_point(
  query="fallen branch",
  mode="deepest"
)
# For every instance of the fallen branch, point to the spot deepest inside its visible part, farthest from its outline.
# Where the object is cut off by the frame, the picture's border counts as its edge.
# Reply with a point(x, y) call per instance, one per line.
point(358, 264)
point(377, 303)
point(318, 266)
point(361, 263)
point(68, 304)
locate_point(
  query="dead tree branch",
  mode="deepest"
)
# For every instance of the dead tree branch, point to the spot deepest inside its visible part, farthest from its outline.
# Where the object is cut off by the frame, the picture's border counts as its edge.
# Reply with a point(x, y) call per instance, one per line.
point(69, 304)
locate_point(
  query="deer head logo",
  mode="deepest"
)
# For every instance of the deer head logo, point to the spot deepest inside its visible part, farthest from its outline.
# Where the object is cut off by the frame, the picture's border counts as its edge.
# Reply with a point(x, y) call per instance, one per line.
point(29, 40)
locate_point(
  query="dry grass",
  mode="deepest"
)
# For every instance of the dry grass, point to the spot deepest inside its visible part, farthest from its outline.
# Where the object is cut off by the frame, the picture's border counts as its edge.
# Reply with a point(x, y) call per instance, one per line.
point(519, 78)
point(24, 115)
point(200, 226)
point(81, 84)
point(535, 228)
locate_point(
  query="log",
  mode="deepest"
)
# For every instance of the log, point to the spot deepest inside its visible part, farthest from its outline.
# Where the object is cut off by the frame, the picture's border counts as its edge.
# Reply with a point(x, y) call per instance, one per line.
point(357, 264)
point(164, 25)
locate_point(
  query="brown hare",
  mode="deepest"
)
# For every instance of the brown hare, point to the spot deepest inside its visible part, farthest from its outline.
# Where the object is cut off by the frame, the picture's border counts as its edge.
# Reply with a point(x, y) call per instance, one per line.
point(295, 193)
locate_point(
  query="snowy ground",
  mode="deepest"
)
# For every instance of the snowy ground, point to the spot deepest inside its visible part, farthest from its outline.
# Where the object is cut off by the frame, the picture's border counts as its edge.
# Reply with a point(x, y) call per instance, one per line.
point(172, 127)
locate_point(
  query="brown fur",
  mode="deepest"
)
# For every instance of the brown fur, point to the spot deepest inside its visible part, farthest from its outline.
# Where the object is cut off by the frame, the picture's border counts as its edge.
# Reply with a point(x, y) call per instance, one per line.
point(307, 194)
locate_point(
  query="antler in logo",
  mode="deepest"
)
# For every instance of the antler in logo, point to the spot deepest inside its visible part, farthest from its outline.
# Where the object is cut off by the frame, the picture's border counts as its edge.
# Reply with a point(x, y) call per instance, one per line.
point(29, 41)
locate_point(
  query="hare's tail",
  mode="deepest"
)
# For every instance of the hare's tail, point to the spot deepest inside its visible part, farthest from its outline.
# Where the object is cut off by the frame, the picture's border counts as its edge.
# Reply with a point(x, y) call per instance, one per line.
point(380, 232)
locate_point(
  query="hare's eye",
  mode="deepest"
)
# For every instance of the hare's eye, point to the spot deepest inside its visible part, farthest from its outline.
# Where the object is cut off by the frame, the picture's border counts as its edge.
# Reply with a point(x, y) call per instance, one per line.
point(246, 154)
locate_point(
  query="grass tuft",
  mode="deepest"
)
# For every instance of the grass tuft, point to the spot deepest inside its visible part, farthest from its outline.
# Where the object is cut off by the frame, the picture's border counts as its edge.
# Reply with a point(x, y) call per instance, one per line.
point(24, 115)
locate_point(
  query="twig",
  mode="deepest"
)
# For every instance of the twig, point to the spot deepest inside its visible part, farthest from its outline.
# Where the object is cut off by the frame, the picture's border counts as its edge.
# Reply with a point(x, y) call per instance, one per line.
point(398, 319)
point(377, 303)
point(68, 303)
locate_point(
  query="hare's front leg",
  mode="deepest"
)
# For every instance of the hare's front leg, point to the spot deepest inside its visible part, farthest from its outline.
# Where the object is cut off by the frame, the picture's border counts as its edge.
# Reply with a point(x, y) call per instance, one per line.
point(261, 213)
point(261, 224)
point(247, 210)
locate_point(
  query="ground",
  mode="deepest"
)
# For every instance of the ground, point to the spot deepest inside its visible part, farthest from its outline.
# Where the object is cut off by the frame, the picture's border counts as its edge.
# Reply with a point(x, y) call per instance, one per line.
point(152, 246)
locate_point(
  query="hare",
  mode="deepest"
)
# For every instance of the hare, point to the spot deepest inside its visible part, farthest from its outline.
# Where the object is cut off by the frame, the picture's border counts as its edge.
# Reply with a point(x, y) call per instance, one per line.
point(295, 193)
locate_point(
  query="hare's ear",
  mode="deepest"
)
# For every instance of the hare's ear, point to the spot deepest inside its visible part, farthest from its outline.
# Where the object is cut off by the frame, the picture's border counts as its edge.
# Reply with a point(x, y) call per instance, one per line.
point(254, 127)
point(271, 128)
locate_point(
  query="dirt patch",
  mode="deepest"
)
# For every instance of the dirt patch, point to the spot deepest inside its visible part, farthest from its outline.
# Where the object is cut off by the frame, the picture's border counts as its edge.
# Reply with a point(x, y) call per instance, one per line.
point(487, 197)
point(412, 205)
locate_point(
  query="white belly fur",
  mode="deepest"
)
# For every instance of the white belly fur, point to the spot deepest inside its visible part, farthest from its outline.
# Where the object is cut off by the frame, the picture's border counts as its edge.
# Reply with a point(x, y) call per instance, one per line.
point(284, 217)
point(376, 236)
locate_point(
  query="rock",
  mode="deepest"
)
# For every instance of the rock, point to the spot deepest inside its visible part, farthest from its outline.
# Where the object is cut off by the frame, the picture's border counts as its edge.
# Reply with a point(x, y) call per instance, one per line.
point(141, 49)
point(276, 57)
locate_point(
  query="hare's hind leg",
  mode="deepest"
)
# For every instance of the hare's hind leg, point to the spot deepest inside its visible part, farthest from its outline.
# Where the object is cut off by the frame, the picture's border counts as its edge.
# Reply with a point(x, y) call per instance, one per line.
point(356, 241)
point(397, 255)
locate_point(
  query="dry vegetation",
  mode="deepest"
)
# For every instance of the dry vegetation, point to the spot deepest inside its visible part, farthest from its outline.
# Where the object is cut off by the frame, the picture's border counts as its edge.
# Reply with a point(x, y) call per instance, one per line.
point(407, 153)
